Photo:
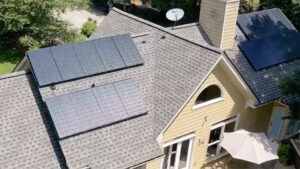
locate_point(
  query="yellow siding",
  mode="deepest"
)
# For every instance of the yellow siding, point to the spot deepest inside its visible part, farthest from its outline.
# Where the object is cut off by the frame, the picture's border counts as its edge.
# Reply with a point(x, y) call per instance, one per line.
point(211, 18)
point(194, 120)
point(218, 18)
point(229, 25)
point(256, 120)
point(155, 164)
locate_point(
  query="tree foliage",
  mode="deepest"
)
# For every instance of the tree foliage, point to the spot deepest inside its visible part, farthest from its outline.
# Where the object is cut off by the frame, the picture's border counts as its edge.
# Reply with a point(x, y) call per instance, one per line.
point(291, 8)
point(34, 23)
point(245, 7)
point(191, 7)
point(89, 27)
point(290, 85)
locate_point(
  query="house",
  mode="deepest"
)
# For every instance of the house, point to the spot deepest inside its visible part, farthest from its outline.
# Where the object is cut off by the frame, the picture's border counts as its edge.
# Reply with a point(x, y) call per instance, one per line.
point(138, 95)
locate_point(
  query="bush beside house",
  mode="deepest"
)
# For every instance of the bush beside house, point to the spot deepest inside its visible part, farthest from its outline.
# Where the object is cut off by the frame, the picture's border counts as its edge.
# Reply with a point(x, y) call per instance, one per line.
point(284, 153)
point(89, 27)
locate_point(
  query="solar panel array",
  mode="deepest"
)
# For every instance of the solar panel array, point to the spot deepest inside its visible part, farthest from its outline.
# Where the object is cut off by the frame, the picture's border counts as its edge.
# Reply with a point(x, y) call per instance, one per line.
point(67, 62)
point(272, 38)
point(265, 23)
point(276, 49)
point(85, 110)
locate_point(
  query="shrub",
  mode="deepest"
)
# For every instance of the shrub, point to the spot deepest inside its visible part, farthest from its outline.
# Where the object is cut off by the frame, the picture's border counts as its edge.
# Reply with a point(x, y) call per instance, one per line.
point(74, 37)
point(28, 42)
point(88, 28)
point(284, 153)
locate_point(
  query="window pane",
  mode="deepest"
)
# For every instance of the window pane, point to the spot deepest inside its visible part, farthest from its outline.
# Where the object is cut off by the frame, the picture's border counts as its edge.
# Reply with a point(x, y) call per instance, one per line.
point(215, 135)
point(211, 151)
point(209, 93)
point(172, 160)
point(184, 154)
point(174, 147)
point(229, 127)
point(166, 152)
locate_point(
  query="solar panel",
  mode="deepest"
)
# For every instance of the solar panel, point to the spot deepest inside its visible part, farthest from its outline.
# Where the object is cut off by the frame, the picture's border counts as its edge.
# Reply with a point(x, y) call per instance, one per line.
point(265, 23)
point(272, 50)
point(128, 50)
point(64, 115)
point(88, 109)
point(89, 58)
point(109, 54)
point(130, 97)
point(110, 102)
point(45, 70)
point(68, 62)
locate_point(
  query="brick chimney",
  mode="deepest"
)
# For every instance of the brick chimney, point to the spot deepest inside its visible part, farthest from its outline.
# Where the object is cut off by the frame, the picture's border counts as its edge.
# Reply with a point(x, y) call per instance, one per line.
point(218, 19)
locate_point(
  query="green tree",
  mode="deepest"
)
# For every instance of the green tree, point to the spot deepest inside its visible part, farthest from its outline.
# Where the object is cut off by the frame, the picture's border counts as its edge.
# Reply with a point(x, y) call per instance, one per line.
point(291, 8)
point(290, 85)
point(34, 23)
point(245, 7)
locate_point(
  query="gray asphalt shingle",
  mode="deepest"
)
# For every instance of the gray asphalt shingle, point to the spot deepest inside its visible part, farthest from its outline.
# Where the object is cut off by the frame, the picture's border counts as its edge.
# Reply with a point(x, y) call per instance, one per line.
point(263, 83)
point(27, 139)
point(167, 78)
point(175, 62)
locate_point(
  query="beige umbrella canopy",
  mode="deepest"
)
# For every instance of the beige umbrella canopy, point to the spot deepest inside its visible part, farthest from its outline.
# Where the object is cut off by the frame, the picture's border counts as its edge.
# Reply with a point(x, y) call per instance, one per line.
point(251, 147)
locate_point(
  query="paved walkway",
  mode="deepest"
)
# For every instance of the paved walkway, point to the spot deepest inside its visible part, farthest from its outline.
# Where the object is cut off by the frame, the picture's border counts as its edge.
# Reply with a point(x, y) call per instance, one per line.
point(78, 17)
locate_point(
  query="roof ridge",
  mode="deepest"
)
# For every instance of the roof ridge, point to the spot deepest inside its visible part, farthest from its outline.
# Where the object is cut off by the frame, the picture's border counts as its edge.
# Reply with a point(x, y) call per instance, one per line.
point(261, 11)
point(11, 75)
point(166, 30)
point(184, 25)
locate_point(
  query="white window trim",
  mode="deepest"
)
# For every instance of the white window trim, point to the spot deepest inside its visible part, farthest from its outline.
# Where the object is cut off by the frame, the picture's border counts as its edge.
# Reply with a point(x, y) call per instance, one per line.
point(179, 141)
point(197, 106)
point(222, 124)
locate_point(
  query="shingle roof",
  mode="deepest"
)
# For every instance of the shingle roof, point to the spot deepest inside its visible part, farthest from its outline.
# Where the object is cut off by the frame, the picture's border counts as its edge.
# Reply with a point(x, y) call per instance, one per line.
point(119, 22)
point(263, 83)
point(27, 139)
point(167, 78)
point(193, 32)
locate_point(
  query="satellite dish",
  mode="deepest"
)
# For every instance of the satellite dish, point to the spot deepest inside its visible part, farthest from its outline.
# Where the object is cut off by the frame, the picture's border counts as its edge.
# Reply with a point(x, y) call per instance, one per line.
point(175, 14)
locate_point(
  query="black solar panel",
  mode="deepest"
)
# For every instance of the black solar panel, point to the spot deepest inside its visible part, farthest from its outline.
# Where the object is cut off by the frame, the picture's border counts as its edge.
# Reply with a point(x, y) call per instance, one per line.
point(89, 58)
point(67, 62)
point(128, 50)
point(272, 50)
point(109, 54)
point(45, 70)
point(85, 110)
point(265, 23)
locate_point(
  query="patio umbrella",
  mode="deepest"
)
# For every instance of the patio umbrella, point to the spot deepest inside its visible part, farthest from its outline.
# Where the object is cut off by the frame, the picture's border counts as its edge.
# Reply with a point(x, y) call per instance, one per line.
point(248, 146)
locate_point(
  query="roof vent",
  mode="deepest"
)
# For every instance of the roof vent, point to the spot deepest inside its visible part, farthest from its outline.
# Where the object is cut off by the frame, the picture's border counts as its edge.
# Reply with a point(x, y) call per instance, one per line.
point(52, 86)
point(93, 85)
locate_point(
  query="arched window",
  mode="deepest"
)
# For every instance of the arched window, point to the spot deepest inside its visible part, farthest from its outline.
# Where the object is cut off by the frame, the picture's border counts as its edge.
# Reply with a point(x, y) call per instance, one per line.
point(209, 95)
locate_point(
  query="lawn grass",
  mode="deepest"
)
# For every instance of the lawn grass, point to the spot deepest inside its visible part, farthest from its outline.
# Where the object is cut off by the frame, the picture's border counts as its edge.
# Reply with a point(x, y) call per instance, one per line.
point(9, 57)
